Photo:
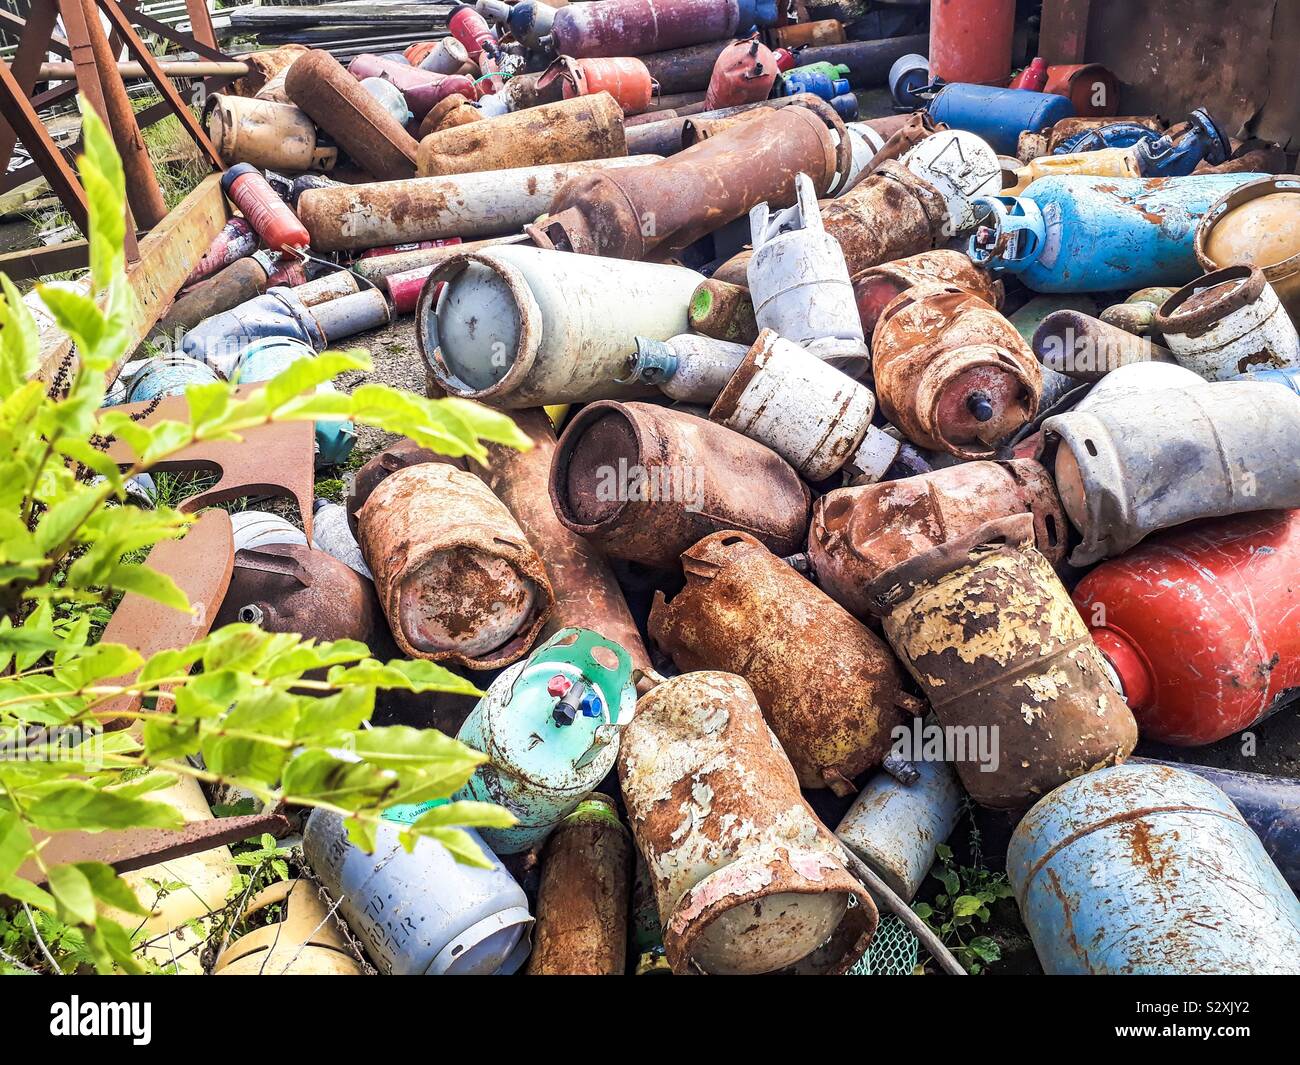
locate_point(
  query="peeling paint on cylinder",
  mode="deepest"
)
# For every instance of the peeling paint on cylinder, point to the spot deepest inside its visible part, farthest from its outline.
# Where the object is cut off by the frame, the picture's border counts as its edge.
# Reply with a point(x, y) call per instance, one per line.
point(1200, 894)
point(631, 213)
point(989, 633)
point(645, 483)
point(588, 127)
point(876, 286)
point(457, 578)
point(723, 311)
point(812, 415)
point(748, 880)
point(582, 903)
point(858, 533)
point(396, 456)
point(587, 594)
point(828, 687)
point(951, 372)
point(889, 215)
point(1153, 459)
point(896, 828)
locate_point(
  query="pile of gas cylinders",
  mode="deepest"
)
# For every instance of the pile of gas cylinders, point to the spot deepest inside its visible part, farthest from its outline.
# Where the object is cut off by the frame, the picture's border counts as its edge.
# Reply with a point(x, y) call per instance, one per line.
point(880, 467)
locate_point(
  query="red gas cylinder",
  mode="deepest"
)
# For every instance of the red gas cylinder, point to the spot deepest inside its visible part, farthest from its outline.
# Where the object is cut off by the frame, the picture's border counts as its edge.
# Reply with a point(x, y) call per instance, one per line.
point(1092, 88)
point(236, 239)
point(416, 245)
point(743, 74)
point(1033, 77)
point(272, 218)
point(471, 29)
point(626, 79)
point(1200, 624)
point(785, 59)
point(404, 289)
point(970, 40)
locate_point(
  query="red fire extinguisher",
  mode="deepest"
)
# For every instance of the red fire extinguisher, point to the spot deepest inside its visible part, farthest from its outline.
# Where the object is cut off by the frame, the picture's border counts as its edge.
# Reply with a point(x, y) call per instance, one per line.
point(1202, 624)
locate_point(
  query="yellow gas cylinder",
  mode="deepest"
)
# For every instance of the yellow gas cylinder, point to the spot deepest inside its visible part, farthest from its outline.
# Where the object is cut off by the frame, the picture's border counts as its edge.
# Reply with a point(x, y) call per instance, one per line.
point(1257, 223)
point(1105, 162)
point(304, 942)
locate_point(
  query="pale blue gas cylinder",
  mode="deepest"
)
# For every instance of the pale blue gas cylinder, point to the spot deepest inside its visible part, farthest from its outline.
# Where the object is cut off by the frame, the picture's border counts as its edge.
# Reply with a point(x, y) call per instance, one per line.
point(999, 116)
point(1097, 234)
point(1289, 378)
point(549, 726)
point(263, 359)
point(1150, 870)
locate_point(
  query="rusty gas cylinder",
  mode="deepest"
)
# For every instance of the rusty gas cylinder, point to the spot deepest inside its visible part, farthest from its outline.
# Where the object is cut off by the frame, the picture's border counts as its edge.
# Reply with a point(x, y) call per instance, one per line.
point(747, 879)
point(420, 89)
point(989, 633)
point(723, 311)
point(858, 533)
point(457, 578)
point(626, 79)
point(951, 373)
point(743, 73)
point(449, 112)
point(587, 594)
point(876, 286)
point(396, 456)
point(890, 215)
point(582, 903)
point(644, 483)
point(697, 190)
point(828, 686)
point(336, 102)
point(821, 32)
point(588, 127)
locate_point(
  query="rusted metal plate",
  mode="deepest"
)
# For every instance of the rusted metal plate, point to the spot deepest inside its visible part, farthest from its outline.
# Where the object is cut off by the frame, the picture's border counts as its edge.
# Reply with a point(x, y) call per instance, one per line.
point(274, 459)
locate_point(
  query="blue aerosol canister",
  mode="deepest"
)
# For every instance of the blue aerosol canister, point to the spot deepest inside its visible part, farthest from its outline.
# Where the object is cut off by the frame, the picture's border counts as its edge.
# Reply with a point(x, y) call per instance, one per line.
point(1096, 234)
point(549, 726)
point(999, 116)
point(420, 913)
point(1148, 869)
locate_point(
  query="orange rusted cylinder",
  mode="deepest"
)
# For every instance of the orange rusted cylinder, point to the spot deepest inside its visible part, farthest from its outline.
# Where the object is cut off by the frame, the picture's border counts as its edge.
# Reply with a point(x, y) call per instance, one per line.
point(449, 112)
point(829, 688)
point(587, 594)
point(584, 895)
point(890, 215)
point(858, 533)
point(875, 287)
point(723, 311)
point(1092, 88)
point(823, 31)
point(951, 373)
point(746, 878)
point(626, 79)
point(743, 73)
point(457, 578)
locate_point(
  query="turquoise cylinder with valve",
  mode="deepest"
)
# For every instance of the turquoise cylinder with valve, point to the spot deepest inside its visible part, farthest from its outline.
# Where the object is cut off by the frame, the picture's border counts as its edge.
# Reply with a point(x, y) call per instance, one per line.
point(549, 726)
point(1073, 233)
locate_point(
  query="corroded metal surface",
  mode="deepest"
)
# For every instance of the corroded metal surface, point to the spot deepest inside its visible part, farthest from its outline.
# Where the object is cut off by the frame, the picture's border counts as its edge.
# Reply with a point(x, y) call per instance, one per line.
point(876, 286)
point(828, 687)
point(1199, 893)
point(1086, 348)
point(586, 591)
point(631, 213)
point(396, 456)
point(633, 27)
point(457, 578)
point(989, 633)
point(890, 215)
point(858, 533)
point(644, 483)
point(582, 902)
point(724, 311)
point(747, 879)
point(337, 103)
point(951, 373)
point(452, 110)
point(588, 127)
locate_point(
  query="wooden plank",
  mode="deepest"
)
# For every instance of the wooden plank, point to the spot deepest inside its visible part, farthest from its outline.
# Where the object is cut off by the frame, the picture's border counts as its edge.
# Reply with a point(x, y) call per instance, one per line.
point(167, 256)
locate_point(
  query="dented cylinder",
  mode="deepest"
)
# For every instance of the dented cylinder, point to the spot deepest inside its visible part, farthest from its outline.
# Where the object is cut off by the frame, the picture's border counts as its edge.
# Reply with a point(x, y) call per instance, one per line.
point(989, 633)
point(521, 327)
point(626, 79)
point(828, 687)
point(452, 110)
point(876, 286)
point(812, 415)
point(644, 483)
point(582, 902)
point(1227, 323)
point(724, 311)
point(951, 373)
point(889, 215)
point(1150, 460)
point(349, 217)
point(631, 213)
point(587, 595)
point(858, 533)
point(1200, 894)
point(747, 879)
point(457, 578)
point(588, 127)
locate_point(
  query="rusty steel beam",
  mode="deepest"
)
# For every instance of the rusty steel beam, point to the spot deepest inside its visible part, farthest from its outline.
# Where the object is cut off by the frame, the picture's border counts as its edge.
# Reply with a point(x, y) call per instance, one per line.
point(37, 37)
point(10, 21)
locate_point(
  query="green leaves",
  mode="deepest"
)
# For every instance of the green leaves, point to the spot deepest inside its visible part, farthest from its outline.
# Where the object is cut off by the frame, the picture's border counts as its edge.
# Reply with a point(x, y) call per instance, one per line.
point(75, 804)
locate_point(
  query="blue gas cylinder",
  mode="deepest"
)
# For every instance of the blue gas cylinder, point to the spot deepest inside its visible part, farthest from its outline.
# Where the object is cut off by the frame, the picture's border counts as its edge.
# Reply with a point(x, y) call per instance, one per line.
point(1289, 378)
point(1097, 234)
point(817, 82)
point(755, 13)
point(999, 116)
